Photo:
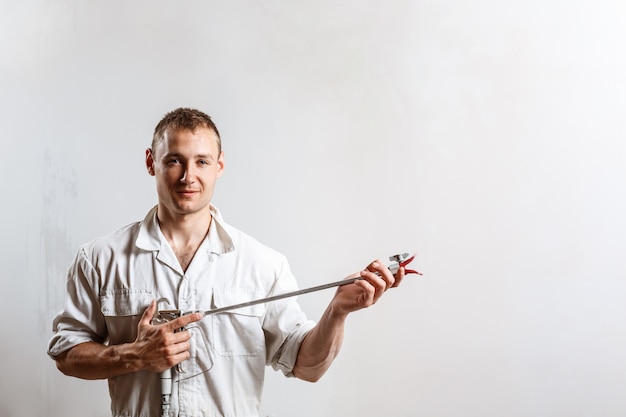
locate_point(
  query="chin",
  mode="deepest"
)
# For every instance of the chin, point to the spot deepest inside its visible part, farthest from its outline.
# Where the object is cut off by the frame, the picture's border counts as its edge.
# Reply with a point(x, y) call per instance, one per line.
point(191, 208)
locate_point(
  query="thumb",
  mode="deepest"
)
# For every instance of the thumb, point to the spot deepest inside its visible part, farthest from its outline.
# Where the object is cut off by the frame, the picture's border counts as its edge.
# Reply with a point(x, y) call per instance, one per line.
point(146, 318)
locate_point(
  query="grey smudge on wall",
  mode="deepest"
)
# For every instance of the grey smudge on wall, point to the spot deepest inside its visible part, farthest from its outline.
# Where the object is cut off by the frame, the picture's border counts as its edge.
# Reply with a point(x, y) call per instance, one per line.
point(56, 249)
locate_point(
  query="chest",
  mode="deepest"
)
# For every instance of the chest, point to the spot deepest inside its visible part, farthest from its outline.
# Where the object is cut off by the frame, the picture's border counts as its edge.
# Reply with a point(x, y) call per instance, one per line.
point(184, 257)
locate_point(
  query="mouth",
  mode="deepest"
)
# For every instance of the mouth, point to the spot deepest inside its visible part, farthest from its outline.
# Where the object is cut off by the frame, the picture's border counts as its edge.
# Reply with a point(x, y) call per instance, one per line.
point(186, 193)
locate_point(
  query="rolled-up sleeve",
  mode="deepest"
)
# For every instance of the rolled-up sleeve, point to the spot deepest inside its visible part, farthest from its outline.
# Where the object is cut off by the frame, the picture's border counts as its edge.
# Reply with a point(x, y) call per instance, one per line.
point(81, 319)
point(286, 357)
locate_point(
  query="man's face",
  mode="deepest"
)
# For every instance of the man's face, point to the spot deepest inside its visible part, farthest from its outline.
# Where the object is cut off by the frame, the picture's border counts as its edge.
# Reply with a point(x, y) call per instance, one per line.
point(186, 165)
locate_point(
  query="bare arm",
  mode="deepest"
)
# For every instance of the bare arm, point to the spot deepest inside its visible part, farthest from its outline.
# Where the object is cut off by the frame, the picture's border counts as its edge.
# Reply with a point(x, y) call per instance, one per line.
point(156, 348)
point(322, 344)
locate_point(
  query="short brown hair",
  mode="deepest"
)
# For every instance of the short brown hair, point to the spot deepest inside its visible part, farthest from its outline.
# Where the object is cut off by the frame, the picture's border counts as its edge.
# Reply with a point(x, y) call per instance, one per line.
point(184, 119)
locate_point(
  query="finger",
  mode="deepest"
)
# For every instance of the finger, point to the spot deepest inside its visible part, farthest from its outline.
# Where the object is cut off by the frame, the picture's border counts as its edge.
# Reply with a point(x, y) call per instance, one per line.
point(378, 267)
point(399, 277)
point(178, 358)
point(182, 321)
point(148, 313)
point(381, 270)
point(375, 280)
point(172, 360)
point(374, 265)
point(177, 348)
point(368, 295)
point(177, 338)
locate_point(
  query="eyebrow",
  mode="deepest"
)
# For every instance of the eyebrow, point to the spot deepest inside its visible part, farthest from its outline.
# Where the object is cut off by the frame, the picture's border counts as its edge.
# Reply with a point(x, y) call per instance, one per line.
point(180, 155)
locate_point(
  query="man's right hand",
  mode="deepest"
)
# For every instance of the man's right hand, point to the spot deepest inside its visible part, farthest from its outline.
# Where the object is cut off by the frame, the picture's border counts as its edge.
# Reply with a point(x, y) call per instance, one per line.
point(161, 346)
point(156, 348)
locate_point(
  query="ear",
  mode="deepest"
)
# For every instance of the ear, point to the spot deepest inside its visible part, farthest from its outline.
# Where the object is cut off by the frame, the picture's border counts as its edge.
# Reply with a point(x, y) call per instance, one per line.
point(220, 165)
point(150, 161)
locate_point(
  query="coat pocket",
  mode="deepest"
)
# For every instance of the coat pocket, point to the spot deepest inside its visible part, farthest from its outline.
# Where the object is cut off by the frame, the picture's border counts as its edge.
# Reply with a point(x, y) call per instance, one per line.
point(122, 309)
point(238, 332)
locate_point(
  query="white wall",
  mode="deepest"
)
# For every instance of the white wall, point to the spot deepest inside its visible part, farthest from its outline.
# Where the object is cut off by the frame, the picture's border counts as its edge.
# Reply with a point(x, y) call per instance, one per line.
point(488, 136)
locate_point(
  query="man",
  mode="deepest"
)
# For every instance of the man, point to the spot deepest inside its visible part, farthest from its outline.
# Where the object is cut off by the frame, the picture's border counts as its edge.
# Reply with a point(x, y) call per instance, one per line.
point(186, 256)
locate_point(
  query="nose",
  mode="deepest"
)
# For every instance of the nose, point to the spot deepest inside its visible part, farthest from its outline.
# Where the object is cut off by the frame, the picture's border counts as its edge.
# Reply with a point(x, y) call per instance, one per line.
point(188, 174)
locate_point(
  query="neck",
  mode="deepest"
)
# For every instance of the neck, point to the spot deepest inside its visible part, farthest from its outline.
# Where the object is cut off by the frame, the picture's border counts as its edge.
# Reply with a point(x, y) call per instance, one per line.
point(183, 230)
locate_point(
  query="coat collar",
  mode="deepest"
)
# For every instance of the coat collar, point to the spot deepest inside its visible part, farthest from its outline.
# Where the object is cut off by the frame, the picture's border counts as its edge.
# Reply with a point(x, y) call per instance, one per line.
point(219, 239)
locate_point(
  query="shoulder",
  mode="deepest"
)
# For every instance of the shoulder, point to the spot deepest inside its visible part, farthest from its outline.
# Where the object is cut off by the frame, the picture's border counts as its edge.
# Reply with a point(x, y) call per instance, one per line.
point(249, 244)
point(243, 242)
point(112, 244)
point(132, 237)
point(241, 250)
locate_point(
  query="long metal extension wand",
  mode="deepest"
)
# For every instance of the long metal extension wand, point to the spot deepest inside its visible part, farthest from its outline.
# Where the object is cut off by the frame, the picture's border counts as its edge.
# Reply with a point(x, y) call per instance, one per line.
point(400, 261)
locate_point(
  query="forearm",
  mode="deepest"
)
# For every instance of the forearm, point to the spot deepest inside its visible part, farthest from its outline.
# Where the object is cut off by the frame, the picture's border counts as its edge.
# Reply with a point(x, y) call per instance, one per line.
point(93, 360)
point(320, 346)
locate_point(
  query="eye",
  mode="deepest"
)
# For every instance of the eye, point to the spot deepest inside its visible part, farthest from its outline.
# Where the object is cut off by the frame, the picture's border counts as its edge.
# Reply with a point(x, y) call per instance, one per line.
point(173, 161)
point(204, 162)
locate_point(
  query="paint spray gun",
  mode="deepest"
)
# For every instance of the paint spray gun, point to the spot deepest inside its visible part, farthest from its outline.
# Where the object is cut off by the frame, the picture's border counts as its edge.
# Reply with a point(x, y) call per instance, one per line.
point(166, 315)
